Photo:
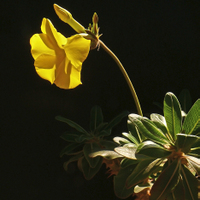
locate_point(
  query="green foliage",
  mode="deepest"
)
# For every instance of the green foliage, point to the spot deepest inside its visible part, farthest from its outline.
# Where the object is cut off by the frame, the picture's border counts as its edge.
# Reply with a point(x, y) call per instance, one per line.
point(82, 143)
point(161, 153)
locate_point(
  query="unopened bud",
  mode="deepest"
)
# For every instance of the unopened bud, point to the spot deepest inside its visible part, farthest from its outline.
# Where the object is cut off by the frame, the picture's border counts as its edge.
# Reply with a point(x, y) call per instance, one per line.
point(66, 17)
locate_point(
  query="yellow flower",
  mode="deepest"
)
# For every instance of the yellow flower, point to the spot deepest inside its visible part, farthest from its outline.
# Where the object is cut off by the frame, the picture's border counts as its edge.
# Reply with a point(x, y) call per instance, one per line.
point(59, 59)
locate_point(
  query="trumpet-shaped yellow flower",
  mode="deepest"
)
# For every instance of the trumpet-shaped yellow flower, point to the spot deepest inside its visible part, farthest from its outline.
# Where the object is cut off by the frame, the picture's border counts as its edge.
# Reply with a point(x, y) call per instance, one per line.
point(59, 59)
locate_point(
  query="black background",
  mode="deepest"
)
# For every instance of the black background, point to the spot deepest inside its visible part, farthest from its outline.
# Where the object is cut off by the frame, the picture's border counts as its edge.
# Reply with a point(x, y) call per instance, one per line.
point(157, 41)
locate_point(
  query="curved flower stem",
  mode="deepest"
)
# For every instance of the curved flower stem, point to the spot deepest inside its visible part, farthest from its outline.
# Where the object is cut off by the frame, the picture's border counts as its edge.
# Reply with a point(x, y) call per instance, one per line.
point(137, 103)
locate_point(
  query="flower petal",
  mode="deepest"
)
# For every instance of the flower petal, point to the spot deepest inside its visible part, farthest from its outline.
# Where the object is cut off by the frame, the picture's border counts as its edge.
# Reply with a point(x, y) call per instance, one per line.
point(67, 79)
point(45, 66)
point(41, 45)
point(56, 38)
point(77, 49)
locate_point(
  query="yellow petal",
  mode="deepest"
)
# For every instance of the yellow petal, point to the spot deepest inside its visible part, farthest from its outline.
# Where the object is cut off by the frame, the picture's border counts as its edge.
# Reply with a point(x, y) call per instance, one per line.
point(77, 49)
point(40, 44)
point(57, 39)
point(67, 79)
point(66, 17)
point(45, 66)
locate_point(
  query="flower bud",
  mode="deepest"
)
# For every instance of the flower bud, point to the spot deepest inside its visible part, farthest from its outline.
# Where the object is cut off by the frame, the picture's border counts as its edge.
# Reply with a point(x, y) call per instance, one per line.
point(66, 17)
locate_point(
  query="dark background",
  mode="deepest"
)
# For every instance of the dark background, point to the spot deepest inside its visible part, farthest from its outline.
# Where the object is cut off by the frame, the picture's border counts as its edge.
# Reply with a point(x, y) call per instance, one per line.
point(157, 41)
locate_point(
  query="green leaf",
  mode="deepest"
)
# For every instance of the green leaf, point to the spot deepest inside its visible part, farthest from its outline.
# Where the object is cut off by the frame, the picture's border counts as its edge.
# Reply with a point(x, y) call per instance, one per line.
point(70, 136)
point(185, 142)
point(131, 138)
point(134, 132)
point(104, 133)
point(194, 163)
point(96, 117)
point(129, 151)
point(191, 123)
point(88, 171)
point(167, 180)
point(72, 159)
point(116, 120)
point(178, 193)
point(72, 124)
point(160, 122)
point(108, 145)
point(107, 154)
point(142, 171)
point(69, 149)
point(127, 162)
point(154, 150)
point(190, 184)
point(88, 149)
point(120, 188)
point(172, 114)
point(185, 100)
point(120, 140)
point(148, 129)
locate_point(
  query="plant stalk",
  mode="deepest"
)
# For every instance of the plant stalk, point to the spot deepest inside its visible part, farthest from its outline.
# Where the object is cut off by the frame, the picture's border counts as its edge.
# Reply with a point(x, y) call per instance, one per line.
point(133, 92)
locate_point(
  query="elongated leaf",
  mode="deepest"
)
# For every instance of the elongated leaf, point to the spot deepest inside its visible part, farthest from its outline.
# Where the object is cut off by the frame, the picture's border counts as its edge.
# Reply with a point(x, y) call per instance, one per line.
point(185, 142)
point(116, 120)
point(120, 140)
point(127, 162)
point(178, 193)
point(191, 123)
point(154, 150)
point(96, 117)
point(172, 114)
point(72, 124)
point(190, 184)
point(167, 180)
point(160, 122)
point(140, 173)
point(185, 100)
point(107, 154)
point(194, 163)
point(70, 136)
point(131, 138)
point(108, 145)
point(72, 159)
point(88, 171)
point(91, 148)
point(120, 188)
point(148, 129)
point(134, 132)
point(69, 149)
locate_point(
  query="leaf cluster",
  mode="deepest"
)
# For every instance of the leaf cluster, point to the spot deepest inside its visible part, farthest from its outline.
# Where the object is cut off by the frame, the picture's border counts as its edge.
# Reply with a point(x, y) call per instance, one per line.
point(82, 143)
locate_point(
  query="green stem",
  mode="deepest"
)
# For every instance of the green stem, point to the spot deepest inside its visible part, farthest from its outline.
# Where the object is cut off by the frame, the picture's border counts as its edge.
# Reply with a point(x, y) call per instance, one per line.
point(137, 103)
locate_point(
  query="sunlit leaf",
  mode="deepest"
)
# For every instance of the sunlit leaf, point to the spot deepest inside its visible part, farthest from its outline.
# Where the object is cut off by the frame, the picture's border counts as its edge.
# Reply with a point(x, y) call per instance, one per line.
point(191, 123)
point(172, 114)
point(120, 140)
point(131, 138)
point(195, 162)
point(148, 129)
point(167, 180)
point(72, 124)
point(185, 142)
point(96, 117)
point(107, 154)
point(153, 150)
point(134, 132)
